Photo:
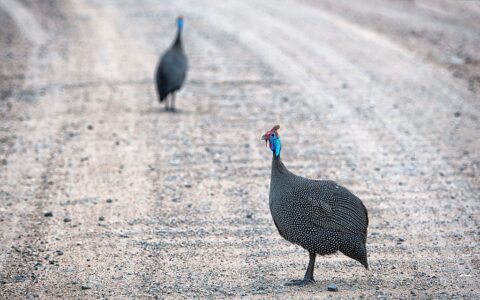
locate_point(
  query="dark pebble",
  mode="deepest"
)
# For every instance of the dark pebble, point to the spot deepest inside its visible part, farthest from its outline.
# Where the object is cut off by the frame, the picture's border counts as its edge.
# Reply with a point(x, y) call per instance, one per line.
point(101, 218)
point(48, 214)
point(59, 252)
point(457, 114)
point(86, 287)
point(89, 127)
point(67, 219)
point(109, 200)
point(20, 277)
point(249, 216)
point(332, 287)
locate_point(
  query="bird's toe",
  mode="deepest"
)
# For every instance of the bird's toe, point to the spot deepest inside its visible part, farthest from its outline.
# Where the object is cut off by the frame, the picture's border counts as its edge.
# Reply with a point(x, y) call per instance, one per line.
point(300, 282)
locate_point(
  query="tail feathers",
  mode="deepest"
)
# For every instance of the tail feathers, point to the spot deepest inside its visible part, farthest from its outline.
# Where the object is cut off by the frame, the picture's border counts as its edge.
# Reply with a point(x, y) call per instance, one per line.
point(356, 249)
point(162, 95)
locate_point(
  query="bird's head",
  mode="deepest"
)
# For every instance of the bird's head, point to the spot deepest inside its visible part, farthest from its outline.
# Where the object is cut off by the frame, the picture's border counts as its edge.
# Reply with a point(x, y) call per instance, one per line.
point(272, 139)
point(180, 22)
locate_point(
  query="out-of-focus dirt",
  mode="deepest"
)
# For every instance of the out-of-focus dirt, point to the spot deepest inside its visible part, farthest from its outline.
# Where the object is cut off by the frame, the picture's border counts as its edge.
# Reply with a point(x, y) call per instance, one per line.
point(381, 96)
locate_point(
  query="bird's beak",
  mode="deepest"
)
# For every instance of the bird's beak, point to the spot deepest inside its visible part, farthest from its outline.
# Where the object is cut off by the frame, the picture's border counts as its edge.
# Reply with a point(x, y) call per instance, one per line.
point(264, 138)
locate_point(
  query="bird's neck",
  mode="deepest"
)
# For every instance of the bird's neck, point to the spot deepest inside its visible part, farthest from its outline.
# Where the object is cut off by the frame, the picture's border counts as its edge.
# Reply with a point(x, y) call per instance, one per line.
point(277, 166)
point(178, 39)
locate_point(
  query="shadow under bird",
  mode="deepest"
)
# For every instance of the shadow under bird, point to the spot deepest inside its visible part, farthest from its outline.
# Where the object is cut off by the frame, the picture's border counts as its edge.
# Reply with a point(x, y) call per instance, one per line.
point(172, 70)
point(319, 215)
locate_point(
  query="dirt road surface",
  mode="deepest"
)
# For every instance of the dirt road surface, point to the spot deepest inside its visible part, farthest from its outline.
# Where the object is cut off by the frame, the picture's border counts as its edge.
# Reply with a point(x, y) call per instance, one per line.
point(381, 96)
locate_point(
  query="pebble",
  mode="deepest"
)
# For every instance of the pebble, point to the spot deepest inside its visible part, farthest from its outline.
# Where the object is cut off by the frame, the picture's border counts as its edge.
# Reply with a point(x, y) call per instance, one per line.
point(457, 114)
point(59, 252)
point(48, 214)
point(109, 200)
point(85, 287)
point(455, 60)
point(67, 219)
point(20, 277)
point(332, 287)
point(89, 127)
point(101, 218)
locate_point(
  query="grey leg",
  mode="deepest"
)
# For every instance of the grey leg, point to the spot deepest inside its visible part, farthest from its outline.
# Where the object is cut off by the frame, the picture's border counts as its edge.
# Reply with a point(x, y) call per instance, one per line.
point(166, 103)
point(173, 102)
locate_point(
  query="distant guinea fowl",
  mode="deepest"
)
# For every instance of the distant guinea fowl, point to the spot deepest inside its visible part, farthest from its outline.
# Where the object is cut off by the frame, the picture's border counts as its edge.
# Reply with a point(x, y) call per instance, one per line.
point(319, 215)
point(172, 69)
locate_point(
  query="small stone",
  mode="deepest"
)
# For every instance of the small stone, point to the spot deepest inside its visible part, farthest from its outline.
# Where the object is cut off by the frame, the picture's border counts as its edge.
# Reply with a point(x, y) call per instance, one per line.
point(109, 200)
point(457, 114)
point(48, 214)
point(79, 243)
point(85, 287)
point(59, 252)
point(332, 287)
point(249, 216)
point(101, 218)
point(20, 277)
point(67, 219)
point(455, 60)
point(90, 127)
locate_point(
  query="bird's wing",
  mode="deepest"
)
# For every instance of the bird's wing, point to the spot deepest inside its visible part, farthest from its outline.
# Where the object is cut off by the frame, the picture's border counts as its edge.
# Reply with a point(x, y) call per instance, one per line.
point(172, 69)
point(333, 206)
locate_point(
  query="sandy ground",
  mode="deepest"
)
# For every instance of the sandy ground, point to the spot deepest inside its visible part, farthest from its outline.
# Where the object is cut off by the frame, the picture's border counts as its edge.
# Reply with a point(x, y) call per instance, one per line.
point(381, 96)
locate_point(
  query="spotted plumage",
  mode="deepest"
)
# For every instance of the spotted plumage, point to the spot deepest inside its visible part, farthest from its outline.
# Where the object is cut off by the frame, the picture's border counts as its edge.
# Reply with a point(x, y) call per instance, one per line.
point(319, 215)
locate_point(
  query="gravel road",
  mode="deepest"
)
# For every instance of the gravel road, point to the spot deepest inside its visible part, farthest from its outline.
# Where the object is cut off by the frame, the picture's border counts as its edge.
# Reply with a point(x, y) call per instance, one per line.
point(103, 194)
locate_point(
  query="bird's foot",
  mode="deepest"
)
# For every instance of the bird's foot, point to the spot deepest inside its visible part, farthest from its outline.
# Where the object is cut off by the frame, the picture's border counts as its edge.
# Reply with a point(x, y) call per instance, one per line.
point(300, 282)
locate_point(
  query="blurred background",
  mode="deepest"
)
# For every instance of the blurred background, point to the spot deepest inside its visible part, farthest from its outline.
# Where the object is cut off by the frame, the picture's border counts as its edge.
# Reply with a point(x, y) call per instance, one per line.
point(105, 194)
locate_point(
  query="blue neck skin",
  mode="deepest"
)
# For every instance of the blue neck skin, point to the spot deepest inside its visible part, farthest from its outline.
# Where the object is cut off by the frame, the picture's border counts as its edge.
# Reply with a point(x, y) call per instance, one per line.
point(275, 145)
point(178, 41)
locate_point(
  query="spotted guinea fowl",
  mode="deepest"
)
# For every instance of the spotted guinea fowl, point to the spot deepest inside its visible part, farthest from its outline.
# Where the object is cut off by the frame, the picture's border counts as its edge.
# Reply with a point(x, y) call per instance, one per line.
point(319, 215)
point(172, 69)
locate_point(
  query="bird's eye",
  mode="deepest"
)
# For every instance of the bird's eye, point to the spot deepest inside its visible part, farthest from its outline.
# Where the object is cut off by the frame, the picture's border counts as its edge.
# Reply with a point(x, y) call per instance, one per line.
point(272, 135)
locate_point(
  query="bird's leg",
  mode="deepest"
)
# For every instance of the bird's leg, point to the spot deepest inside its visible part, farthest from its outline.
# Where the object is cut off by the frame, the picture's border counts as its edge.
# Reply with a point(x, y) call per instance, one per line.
point(173, 102)
point(166, 103)
point(308, 278)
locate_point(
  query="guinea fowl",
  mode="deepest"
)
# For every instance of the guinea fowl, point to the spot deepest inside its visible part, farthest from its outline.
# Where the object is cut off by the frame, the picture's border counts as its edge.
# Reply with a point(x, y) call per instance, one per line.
point(172, 69)
point(319, 215)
